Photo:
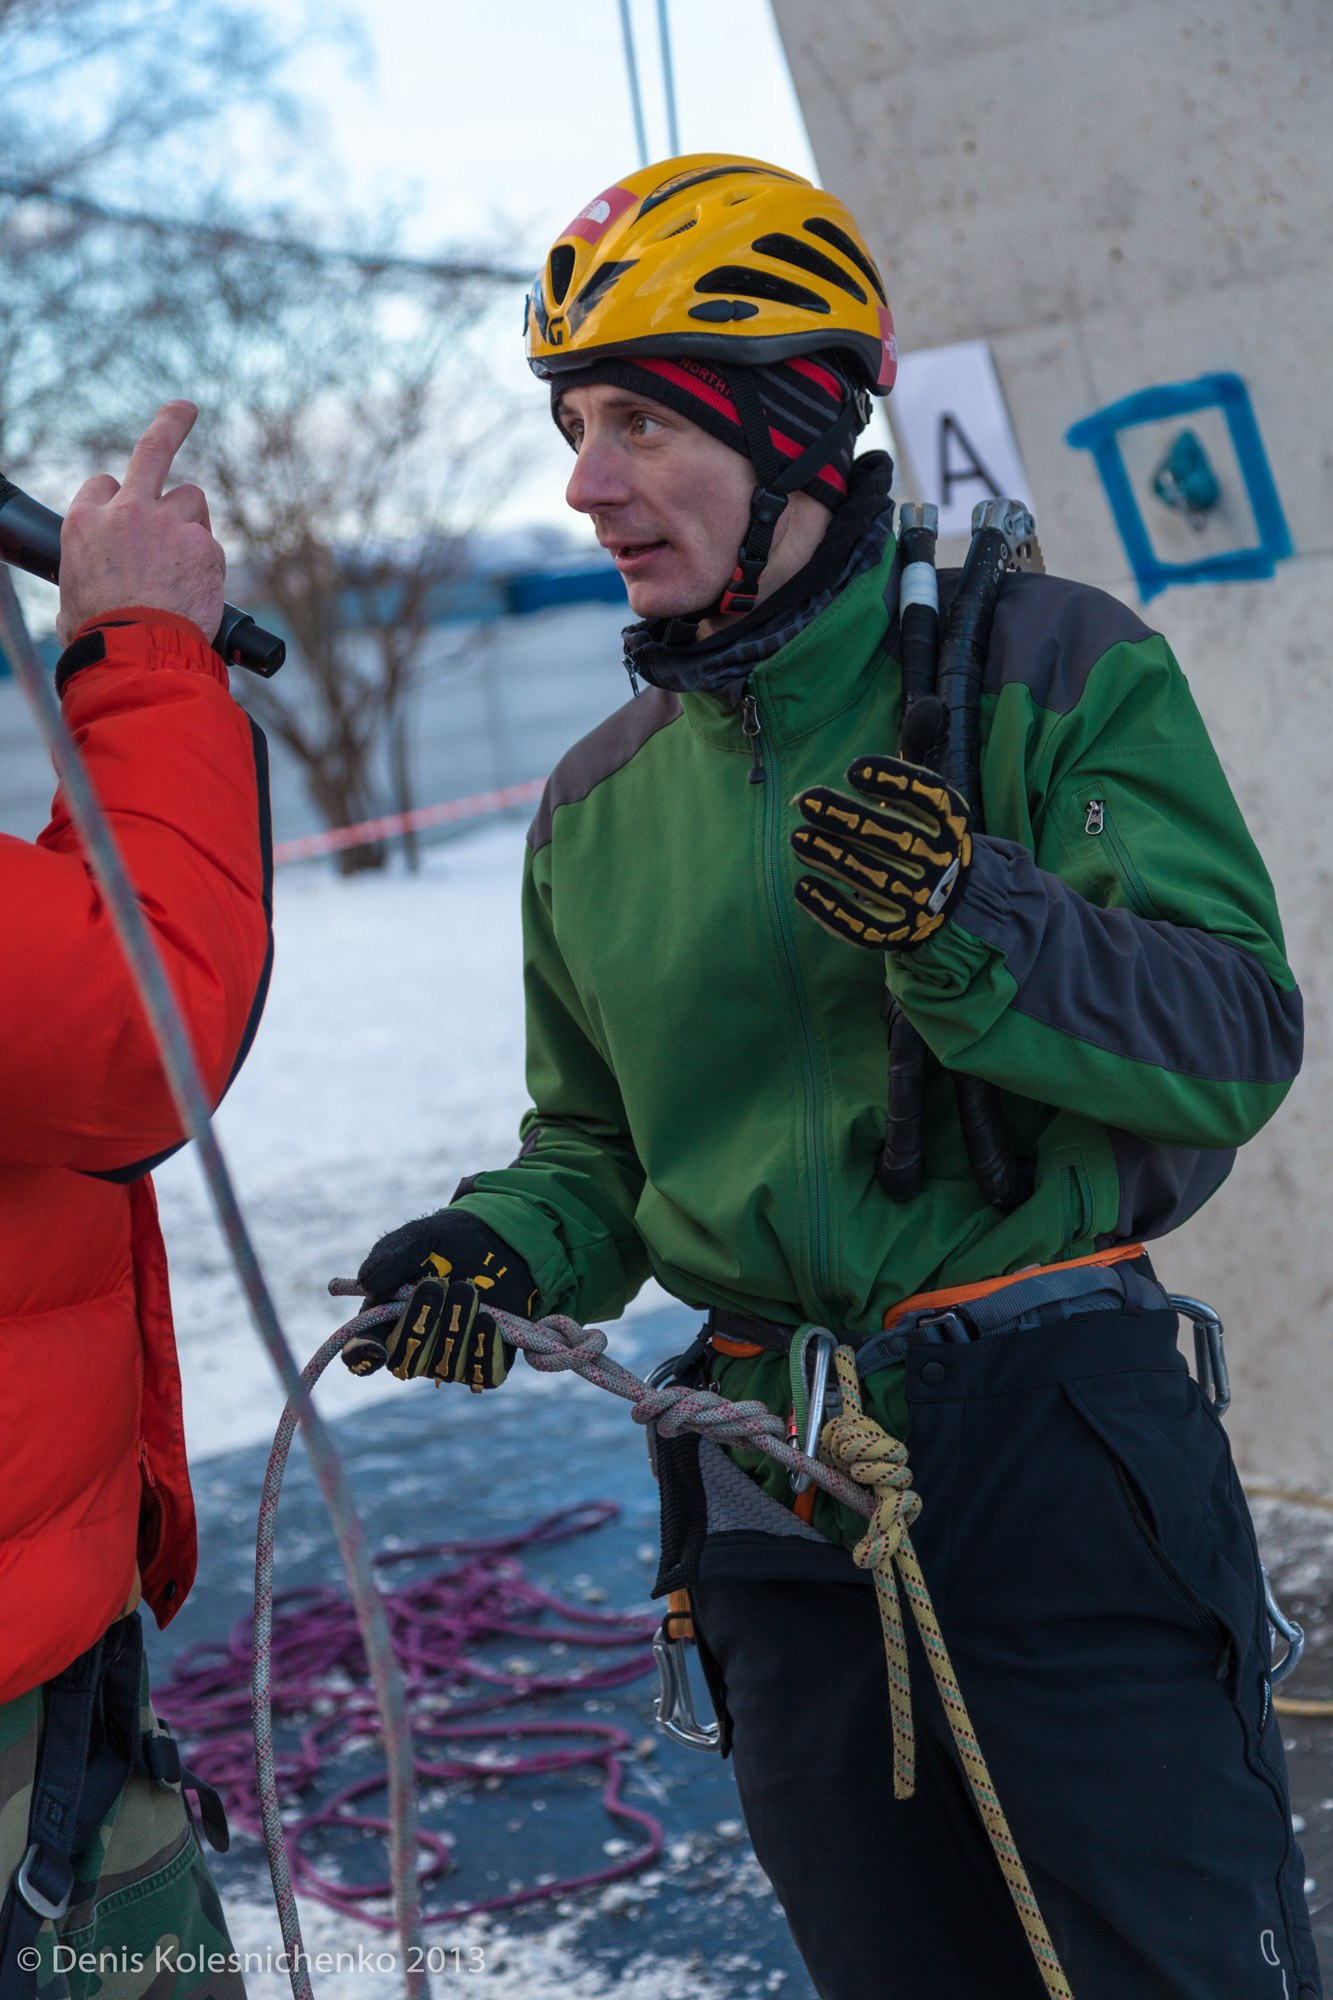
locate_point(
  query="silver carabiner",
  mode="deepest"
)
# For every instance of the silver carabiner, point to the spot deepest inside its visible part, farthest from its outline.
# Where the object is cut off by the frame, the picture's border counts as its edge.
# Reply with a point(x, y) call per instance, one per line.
point(1281, 1627)
point(673, 1707)
point(1210, 1356)
point(824, 1344)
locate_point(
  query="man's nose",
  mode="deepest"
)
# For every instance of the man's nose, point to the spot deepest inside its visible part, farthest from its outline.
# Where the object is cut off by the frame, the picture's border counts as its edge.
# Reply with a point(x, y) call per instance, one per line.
point(598, 480)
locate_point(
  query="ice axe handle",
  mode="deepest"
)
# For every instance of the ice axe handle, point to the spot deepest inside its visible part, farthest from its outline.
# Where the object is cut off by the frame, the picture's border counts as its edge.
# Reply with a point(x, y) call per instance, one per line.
point(30, 540)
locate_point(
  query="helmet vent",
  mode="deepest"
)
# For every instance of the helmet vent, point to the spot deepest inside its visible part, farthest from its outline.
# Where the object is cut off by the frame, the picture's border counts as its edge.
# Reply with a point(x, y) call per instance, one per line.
point(760, 285)
point(790, 250)
point(816, 225)
point(599, 283)
point(562, 270)
point(679, 184)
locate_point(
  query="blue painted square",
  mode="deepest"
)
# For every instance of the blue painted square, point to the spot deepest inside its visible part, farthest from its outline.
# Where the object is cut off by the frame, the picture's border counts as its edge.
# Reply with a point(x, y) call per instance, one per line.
point(1099, 434)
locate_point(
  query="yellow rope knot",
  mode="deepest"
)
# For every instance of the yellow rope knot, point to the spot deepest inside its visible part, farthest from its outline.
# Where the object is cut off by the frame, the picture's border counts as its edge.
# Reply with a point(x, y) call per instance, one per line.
point(867, 1453)
point(870, 1456)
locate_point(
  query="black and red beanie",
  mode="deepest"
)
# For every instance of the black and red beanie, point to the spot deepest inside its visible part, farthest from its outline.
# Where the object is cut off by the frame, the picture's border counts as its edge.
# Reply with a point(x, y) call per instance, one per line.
point(801, 400)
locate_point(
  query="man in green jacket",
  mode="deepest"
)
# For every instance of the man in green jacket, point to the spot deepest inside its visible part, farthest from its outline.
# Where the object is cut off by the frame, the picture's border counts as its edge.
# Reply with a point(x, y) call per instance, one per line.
point(1093, 935)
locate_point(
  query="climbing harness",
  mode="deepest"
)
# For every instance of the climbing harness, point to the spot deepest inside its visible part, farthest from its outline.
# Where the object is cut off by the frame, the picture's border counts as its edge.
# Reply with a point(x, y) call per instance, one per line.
point(92, 1740)
point(856, 1454)
point(1003, 539)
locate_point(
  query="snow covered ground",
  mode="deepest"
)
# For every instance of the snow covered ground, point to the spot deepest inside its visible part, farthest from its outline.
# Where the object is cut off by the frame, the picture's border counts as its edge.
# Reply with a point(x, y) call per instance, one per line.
point(389, 1064)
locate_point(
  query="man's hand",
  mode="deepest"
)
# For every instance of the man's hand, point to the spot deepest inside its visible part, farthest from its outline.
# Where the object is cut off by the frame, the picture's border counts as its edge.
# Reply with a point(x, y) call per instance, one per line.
point(904, 858)
point(458, 1267)
point(132, 544)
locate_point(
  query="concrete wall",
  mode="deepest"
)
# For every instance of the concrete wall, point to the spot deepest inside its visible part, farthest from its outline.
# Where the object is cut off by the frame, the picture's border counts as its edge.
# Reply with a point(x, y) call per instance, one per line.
point(1119, 196)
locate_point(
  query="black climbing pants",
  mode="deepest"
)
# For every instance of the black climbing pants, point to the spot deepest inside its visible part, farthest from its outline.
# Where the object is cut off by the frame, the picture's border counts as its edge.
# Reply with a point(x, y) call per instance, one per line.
point(1094, 1570)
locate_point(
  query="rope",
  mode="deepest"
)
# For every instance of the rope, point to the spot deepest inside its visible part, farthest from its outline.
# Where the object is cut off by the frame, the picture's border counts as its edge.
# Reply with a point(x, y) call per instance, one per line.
point(557, 1344)
point(877, 1460)
point(863, 1455)
point(140, 949)
point(462, 1703)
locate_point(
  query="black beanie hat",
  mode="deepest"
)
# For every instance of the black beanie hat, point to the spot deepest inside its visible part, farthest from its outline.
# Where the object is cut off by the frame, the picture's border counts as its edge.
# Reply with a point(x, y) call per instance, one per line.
point(801, 400)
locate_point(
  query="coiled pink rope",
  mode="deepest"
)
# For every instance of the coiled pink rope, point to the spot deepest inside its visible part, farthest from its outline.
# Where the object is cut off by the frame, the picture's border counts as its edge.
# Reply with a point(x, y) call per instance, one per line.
point(463, 1706)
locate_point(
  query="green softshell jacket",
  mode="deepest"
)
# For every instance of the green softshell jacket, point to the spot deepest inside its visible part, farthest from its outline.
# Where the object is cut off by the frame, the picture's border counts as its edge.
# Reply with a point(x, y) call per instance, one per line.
point(707, 1066)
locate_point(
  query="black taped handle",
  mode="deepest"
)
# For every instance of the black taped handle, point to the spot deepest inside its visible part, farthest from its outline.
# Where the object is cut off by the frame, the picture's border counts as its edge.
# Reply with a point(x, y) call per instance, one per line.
point(30, 540)
point(901, 1166)
point(963, 647)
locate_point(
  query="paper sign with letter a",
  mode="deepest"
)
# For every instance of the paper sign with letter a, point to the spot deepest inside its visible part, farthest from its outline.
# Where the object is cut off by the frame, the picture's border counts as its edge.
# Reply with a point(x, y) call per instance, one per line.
point(948, 410)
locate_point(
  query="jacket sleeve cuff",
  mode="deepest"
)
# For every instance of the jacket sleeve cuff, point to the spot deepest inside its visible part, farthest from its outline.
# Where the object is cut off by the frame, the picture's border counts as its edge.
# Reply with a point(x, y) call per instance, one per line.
point(139, 635)
point(979, 926)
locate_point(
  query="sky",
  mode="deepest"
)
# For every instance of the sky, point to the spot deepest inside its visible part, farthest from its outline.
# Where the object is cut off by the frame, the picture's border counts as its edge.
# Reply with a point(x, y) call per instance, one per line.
point(495, 124)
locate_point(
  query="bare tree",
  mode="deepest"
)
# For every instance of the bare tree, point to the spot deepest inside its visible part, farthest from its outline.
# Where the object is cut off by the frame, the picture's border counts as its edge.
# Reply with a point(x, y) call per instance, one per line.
point(108, 101)
point(351, 444)
point(344, 439)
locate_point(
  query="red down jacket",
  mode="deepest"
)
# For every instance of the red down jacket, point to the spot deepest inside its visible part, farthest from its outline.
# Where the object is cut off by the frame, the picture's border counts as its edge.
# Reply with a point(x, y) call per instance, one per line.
point(91, 1442)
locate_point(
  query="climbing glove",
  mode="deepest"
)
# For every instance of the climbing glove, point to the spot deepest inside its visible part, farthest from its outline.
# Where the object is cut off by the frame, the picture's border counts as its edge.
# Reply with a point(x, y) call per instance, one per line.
point(904, 856)
point(458, 1267)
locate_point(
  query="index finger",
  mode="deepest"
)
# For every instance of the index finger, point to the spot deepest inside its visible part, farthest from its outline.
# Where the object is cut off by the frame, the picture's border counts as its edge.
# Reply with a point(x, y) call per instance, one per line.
point(150, 461)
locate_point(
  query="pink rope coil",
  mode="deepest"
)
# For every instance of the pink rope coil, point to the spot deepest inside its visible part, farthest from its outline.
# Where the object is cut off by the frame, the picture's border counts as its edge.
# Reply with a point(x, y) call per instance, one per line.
point(462, 1705)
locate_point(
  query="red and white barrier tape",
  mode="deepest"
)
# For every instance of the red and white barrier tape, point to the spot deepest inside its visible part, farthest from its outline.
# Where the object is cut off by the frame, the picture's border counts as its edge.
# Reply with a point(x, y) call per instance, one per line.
point(309, 845)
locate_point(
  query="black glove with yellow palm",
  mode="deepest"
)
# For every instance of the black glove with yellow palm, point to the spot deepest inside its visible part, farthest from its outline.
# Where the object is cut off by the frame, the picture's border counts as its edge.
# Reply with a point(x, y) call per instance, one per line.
point(458, 1267)
point(902, 846)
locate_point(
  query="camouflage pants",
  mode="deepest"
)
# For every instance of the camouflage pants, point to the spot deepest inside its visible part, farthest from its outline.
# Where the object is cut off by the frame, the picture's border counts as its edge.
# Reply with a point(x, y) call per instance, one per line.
point(144, 1921)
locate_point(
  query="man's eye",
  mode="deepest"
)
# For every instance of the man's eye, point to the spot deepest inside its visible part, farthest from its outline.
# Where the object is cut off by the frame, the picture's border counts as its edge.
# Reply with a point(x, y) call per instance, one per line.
point(643, 425)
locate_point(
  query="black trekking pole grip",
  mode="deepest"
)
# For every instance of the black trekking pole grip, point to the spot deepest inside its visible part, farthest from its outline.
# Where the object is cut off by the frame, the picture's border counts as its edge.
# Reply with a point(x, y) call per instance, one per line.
point(30, 540)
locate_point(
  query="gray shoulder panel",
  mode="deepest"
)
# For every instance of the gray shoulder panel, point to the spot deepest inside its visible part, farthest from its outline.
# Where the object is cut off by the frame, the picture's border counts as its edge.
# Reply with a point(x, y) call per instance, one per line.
point(604, 750)
point(1049, 634)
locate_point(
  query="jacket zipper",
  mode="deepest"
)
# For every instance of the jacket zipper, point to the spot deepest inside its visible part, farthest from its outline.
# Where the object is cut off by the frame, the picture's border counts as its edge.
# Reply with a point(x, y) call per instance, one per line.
point(752, 724)
point(1099, 821)
point(753, 728)
point(1203, 1614)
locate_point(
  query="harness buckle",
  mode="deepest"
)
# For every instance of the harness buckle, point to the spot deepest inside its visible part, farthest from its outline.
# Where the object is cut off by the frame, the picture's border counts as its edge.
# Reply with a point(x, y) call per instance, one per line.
point(46, 1903)
point(945, 1328)
point(673, 1707)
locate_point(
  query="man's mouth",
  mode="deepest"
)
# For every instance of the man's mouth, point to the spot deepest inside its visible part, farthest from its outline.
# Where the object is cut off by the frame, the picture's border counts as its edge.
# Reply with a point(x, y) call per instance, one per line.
point(633, 555)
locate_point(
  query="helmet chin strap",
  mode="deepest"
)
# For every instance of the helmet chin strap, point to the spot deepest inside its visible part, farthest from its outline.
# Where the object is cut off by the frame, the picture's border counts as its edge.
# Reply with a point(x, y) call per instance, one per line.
point(777, 479)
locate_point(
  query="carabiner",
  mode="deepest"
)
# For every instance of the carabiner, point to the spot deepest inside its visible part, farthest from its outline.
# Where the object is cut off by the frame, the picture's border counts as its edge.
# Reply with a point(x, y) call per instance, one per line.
point(673, 1707)
point(1281, 1627)
point(825, 1345)
point(1210, 1358)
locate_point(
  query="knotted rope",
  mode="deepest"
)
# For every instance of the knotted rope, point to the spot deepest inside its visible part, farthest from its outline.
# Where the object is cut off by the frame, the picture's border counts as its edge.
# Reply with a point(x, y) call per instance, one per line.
point(869, 1455)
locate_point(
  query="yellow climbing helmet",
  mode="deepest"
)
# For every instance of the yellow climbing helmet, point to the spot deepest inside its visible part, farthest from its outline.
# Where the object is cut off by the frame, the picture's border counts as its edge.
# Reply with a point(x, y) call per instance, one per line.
point(718, 257)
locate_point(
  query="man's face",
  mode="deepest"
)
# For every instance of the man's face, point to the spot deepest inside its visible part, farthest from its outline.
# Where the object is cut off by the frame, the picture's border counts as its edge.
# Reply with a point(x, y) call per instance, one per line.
point(668, 501)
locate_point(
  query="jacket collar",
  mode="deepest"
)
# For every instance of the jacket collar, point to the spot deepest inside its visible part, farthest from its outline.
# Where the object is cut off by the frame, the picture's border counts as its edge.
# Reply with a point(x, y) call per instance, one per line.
point(819, 672)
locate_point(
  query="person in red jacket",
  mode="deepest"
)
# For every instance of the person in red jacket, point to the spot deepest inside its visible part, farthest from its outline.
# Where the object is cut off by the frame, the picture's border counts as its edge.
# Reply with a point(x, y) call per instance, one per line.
point(100, 1869)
